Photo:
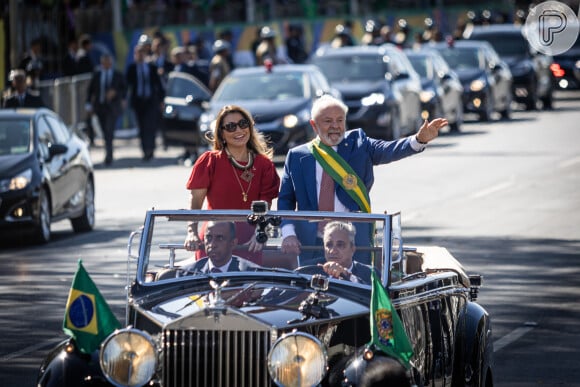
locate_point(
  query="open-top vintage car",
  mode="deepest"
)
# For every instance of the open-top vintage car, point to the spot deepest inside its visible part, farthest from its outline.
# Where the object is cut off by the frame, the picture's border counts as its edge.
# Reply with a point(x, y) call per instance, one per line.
point(278, 323)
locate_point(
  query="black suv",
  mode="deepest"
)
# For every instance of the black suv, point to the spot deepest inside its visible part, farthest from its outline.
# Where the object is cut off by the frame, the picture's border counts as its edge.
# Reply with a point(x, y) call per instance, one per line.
point(533, 79)
point(378, 84)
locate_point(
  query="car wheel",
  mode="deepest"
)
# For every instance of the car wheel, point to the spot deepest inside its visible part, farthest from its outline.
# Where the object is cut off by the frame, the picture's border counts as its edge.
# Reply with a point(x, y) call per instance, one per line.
point(42, 228)
point(488, 108)
point(507, 112)
point(455, 126)
point(86, 221)
point(532, 100)
point(548, 101)
point(395, 131)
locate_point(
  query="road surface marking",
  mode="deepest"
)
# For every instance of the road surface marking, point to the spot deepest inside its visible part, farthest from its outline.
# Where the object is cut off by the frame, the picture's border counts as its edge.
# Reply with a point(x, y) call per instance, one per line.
point(490, 190)
point(569, 162)
point(29, 349)
point(511, 337)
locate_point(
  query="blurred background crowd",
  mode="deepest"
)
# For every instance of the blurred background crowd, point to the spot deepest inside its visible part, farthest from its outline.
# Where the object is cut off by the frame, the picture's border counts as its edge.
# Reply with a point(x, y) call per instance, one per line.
point(58, 44)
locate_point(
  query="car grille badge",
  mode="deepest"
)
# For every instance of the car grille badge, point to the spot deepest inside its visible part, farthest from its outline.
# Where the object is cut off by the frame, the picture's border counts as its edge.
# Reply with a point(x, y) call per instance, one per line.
point(217, 305)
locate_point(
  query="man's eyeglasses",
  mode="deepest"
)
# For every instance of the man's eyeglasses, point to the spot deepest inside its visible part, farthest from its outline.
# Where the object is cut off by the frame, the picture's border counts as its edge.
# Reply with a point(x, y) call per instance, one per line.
point(231, 126)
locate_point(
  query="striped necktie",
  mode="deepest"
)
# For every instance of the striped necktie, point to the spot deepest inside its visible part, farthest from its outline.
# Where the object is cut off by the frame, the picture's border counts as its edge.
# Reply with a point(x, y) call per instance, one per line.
point(325, 198)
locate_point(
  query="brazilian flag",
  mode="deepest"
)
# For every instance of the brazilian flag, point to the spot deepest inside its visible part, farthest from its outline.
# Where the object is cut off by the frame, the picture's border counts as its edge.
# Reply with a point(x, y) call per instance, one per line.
point(387, 331)
point(88, 318)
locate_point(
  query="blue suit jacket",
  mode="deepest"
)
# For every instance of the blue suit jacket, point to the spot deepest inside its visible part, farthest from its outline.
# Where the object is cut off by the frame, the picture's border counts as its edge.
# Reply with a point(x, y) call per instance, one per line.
point(298, 186)
point(237, 264)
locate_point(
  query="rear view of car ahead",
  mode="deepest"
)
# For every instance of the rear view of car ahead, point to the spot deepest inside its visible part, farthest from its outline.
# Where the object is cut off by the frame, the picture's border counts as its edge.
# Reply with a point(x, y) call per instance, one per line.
point(46, 175)
point(183, 105)
point(566, 68)
point(442, 94)
point(379, 86)
point(487, 80)
point(414, 322)
point(533, 79)
point(279, 98)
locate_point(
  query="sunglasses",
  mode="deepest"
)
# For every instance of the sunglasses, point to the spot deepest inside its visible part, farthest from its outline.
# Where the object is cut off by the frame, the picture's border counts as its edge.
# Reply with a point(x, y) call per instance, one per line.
point(231, 126)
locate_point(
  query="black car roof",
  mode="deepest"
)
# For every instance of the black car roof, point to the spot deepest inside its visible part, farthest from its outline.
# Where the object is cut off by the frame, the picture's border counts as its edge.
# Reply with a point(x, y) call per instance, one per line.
point(23, 112)
point(495, 29)
point(355, 50)
point(459, 43)
point(281, 68)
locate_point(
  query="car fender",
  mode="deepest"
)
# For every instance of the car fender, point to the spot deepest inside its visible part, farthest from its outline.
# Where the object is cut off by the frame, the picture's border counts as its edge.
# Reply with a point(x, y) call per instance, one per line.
point(67, 366)
point(379, 370)
point(474, 348)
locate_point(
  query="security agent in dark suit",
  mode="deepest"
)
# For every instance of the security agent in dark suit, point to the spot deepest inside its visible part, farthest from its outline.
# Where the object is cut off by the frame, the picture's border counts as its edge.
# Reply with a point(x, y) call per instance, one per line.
point(106, 98)
point(147, 95)
point(21, 95)
point(219, 241)
point(339, 249)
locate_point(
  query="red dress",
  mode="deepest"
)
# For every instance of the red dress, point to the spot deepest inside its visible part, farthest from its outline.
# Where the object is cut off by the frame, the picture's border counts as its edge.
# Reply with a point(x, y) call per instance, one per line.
point(214, 172)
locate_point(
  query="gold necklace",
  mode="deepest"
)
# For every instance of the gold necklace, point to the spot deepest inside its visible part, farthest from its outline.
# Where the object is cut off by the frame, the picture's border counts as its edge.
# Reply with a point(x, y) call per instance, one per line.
point(244, 194)
point(247, 174)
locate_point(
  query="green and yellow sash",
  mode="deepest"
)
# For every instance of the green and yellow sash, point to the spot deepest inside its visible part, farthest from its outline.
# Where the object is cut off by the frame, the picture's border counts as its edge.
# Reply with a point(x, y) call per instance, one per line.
point(342, 173)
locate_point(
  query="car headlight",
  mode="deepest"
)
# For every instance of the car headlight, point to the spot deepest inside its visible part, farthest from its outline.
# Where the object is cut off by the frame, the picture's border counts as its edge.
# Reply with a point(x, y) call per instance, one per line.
point(427, 95)
point(477, 85)
point(297, 359)
point(128, 358)
point(206, 122)
point(17, 182)
point(373, 99)
point(292, 120)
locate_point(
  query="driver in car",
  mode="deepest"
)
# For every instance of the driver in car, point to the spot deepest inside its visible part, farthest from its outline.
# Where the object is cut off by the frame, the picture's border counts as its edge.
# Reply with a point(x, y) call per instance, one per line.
point(219, 241)
point(339, 249)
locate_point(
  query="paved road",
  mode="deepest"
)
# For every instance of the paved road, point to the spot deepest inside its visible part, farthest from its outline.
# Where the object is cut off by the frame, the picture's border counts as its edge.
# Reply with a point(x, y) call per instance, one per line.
point(503, 197)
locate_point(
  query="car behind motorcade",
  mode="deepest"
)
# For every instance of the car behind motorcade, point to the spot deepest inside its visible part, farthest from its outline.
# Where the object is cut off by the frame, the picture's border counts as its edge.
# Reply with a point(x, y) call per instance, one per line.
point(487, 80)
point(532, 78)
point(279, 97)
point(183, 105)
point(379, 86)
point(442, 94)
point(46, 174)
point(566, 68)
point(278, 323)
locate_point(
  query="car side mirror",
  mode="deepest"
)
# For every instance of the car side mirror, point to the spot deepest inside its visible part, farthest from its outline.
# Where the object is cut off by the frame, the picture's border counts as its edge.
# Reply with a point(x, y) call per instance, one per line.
point(56, 149)
point(402, 76)
point(191, 100)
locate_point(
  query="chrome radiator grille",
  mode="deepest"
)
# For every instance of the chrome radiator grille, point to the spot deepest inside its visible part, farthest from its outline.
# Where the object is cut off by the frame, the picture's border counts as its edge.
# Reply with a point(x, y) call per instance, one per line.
point(208, 358)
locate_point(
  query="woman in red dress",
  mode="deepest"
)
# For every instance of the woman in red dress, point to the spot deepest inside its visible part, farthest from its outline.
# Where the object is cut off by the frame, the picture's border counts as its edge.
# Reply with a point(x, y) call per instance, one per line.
point(237, 171)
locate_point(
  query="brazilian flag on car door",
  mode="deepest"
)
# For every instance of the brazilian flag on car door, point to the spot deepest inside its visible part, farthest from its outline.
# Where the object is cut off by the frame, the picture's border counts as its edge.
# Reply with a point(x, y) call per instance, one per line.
point(88, 318)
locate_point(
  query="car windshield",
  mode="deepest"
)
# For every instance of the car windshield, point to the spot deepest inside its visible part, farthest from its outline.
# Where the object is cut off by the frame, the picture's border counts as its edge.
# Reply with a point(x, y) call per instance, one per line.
point(268, 86)
point(353, 68)
point(163, 256)
point(181, 87)
point(508, 44)
point(422, 65)
point(14, 137)
point(463, 58)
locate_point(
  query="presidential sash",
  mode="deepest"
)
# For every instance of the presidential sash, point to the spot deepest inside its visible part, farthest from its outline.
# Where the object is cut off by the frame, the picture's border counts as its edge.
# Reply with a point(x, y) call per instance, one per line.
point(342, 173)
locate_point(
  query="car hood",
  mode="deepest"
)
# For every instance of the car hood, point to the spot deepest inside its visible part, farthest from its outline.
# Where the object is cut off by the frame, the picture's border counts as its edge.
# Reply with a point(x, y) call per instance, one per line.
point(12, 164)
point(267, 110)
point(468, 75)
point(269, 305)
point(359, 89)
point(427, 83)
point(513, 61)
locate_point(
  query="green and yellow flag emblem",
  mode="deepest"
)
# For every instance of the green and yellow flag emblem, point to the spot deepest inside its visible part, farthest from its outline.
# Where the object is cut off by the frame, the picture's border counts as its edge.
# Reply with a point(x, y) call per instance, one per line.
point(88, 318)
point(387, 331)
